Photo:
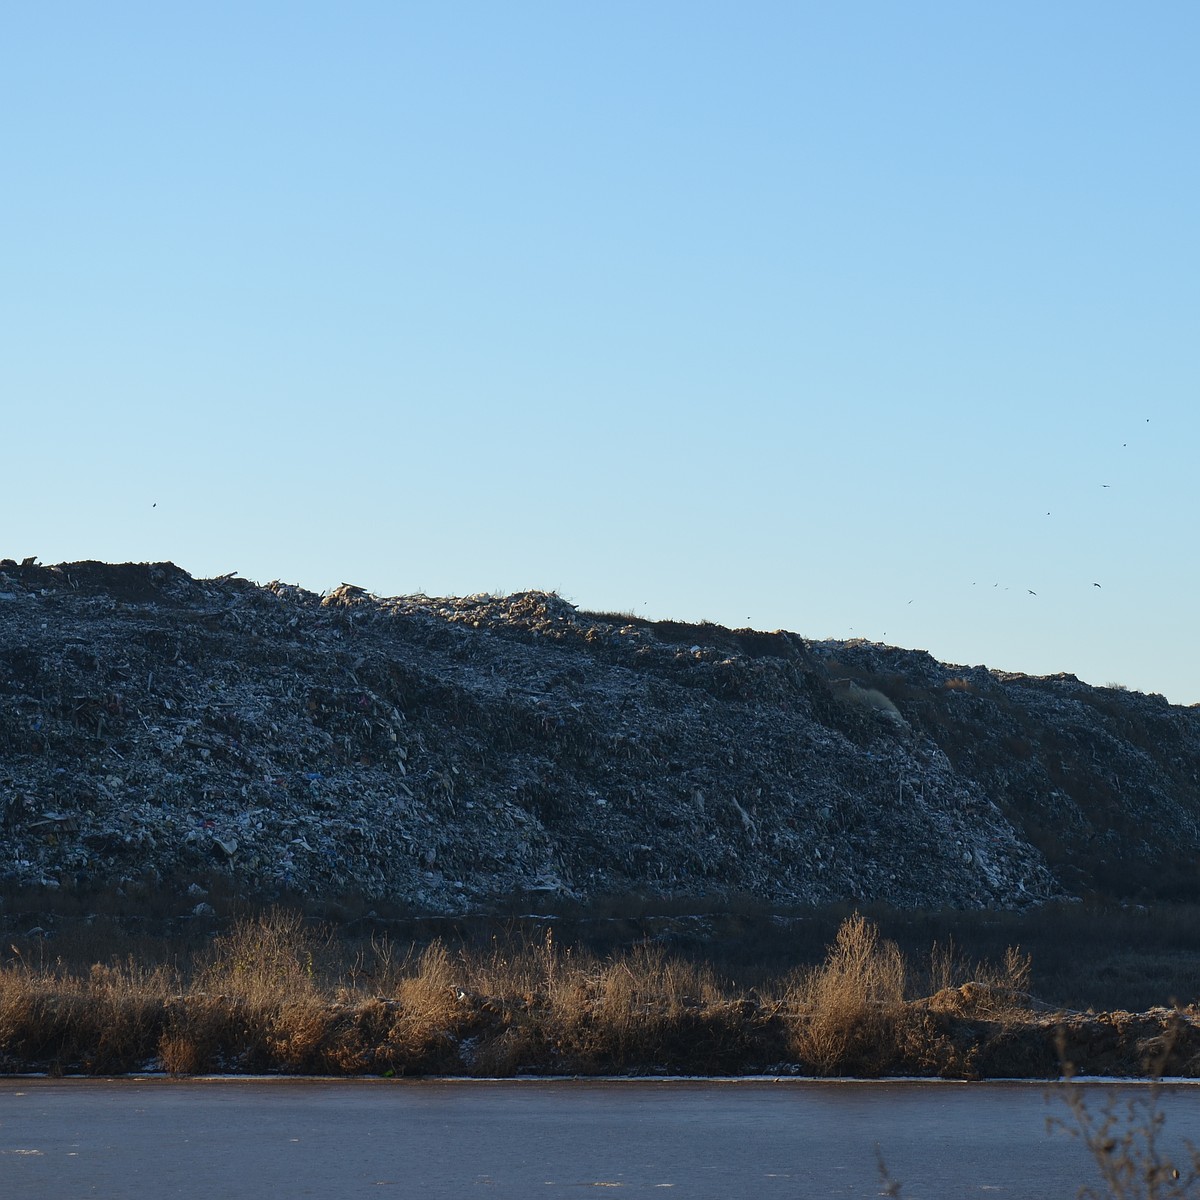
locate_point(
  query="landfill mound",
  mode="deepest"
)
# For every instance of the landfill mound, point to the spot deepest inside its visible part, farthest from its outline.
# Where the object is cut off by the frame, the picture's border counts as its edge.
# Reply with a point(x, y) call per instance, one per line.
point(464, 755)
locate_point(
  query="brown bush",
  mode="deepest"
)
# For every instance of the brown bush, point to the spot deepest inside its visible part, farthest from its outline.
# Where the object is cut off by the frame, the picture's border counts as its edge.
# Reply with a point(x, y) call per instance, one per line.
point(848, 1007)
point(996, 993)
point(429, 1020)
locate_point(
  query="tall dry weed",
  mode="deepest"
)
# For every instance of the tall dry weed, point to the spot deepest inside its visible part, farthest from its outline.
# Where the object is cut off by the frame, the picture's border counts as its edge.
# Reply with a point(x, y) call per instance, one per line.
point(107, 1020)
point(649, 1010)
point(264, 959)
point(270, 994)
point(128, 1004)
point(424, 1035)
point(989, 991)
point(550, 1009)
point(1125, 1142)
point(1125, 1138)
point(534, 1000)
point(254, 1004)
point(846, 1010)
point(18, 1006)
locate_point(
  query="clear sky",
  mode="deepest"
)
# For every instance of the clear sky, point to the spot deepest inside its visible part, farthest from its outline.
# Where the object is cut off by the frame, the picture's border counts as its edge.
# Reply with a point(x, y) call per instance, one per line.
point(859, 320)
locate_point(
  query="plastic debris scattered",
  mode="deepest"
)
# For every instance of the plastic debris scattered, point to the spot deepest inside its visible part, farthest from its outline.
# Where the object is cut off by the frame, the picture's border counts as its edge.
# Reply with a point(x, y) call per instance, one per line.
point(453, 754)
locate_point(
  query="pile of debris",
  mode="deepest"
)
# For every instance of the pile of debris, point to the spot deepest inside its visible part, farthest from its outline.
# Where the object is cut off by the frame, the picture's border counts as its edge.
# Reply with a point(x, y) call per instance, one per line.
point(456, 755)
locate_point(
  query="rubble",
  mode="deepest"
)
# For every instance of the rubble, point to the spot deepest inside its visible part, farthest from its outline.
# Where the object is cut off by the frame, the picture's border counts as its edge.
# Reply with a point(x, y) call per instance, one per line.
point(458, 754)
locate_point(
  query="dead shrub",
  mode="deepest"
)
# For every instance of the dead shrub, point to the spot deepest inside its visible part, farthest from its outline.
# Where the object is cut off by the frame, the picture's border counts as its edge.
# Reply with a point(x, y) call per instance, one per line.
point(298, 1034)
point(202, 1034)
point(530, 999)
point(422, 1037)
point(988, 992)
point(849, 1006)
point(1125, 1139)
point(254, 1003)
point(264, 960)
point(18, 1011)
point(265, 997)
point(357, 1041)
point(541, 1007)
point(646, 1010)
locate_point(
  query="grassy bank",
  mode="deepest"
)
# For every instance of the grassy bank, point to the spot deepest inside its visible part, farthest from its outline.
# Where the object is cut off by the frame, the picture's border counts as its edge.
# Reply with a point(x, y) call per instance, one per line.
point(276, 993)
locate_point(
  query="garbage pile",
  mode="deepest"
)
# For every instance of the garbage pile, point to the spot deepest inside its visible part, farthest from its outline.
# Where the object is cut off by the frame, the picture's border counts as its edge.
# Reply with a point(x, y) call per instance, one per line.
point(466, 754)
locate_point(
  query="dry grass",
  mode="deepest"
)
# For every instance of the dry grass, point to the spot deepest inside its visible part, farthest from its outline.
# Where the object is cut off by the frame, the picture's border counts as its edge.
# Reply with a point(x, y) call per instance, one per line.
point(106, 1020)
point(264, 997)
point(854, 1015)
point(275, 993)
point(543, 1007)
point(989, 991)
point(847, 1010)
point(254, 1003)
point(428, 1021)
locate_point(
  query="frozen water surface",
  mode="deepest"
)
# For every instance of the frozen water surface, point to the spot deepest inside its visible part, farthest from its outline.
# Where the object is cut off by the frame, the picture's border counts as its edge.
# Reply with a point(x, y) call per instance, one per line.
point(710, 1140)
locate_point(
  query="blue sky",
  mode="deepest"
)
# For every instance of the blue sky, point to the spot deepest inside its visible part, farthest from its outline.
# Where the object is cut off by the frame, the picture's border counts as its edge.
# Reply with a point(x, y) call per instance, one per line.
point(835, 318)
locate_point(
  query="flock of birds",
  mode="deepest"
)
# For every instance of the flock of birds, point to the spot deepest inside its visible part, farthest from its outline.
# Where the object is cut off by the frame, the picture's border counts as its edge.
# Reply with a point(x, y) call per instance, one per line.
point(1029, 590)
point(1124, 445)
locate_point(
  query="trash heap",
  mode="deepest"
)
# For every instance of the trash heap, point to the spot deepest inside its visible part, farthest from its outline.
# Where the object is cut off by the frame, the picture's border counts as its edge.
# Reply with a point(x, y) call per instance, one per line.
point(470, 754)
